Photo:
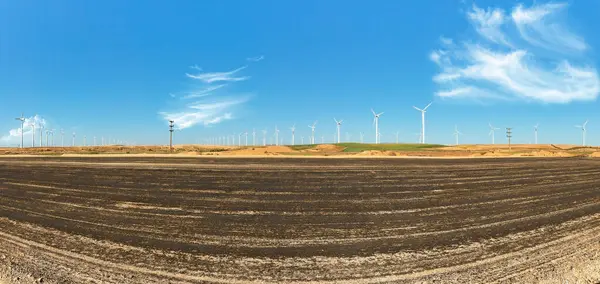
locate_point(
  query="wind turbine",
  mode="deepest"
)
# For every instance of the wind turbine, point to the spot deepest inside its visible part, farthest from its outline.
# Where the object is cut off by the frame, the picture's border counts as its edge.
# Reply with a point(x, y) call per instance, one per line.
point(583, 130)
point(312, 139)
point(84, 144)
point(253, 137)
point(47, 134)
point(338, 125)
point(302, 140)
point(246, 137)
point(62, 138)
point(397, 135)
point(41, 134)
point(376, 122)
point(32, 124)
point(276, 136)
point(73, 139)
point(423, 121)
point(264, 137)
point(456, 133)
point(535, 129)
point(22, 119)
point(293, 128)
point(362, 135)
point(492, 130)
point(240, 139)
point(52, 134)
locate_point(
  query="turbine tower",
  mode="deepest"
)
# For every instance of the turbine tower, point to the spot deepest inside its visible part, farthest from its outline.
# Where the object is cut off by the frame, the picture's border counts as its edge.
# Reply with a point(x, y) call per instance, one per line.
point(41, 134)
point(312, 139)
point(246, 134)
point(362, 135)
point(397, 135)
point(492, 130)
point(32, 124)
point(62, 138)
point(339, 126)
point(73, 139)
point(264, 137)
point(276, 136)
point(583, 129)
point(22, 119)
point(423, 121)
point(376, 122)
point(535, 129)
point(456, 133)
point(253, 137)
point(293, 128)
point(52, 134)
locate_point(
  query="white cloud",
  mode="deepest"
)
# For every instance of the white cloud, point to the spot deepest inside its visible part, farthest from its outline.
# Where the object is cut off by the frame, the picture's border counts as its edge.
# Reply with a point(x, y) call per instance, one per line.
point(209, 107)
point(204, 112)
point(488, 23)
point(537, 26)
point(203, 92)
point(255, 59)
point(208, 77)
point(479, 69)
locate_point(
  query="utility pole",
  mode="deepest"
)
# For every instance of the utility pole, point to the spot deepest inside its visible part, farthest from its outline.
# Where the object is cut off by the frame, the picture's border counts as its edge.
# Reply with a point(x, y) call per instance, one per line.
point(509, 135)
point(171, 125)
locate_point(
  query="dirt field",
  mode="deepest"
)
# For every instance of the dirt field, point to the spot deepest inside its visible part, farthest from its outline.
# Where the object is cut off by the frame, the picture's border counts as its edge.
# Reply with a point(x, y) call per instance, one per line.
point(251, 220)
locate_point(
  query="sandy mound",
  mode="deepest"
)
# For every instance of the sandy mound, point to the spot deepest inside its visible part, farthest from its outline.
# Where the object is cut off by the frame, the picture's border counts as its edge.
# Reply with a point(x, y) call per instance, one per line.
point(376, 153)
point(595, 155)
point(252, 151)
point(329, 148)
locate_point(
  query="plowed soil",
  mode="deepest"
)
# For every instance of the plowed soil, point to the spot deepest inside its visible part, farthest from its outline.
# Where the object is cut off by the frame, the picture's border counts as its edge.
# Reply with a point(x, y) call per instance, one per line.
point(278, 220)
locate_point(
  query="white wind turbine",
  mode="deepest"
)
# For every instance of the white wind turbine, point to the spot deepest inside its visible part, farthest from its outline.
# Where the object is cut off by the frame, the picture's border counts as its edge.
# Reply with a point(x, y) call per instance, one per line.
point(312, 139)
point(41, 134)
point(264, 137)
point(423, 121)
point(535, 129)
point(376, 122)
point(32, 124)
point(397, 136)
point(253, 137)
point(22, 119)
point(492, 130)
point(246, 137)
point(276, 136)
point(62, 138)
point(361, 137)
point(339, 126)
point(583, 129)
point(302, 140)
point(73, 139)
point(456, 133)
point(293, 128)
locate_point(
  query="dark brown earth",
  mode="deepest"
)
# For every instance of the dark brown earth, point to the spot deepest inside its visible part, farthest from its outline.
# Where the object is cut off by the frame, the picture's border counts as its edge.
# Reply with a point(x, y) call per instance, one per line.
point(204, 220)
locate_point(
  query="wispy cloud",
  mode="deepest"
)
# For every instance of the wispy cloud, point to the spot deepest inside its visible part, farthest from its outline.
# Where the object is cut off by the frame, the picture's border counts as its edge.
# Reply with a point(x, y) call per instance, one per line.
point(208, 105)
point(255, 59)
point(210, 77)
point(205, 112)
point(499, 66)
point(203, 92)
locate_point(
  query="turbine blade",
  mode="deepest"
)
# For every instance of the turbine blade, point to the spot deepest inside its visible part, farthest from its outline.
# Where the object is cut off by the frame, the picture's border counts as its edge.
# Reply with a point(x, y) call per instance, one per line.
point(373, 112)
point(380, 113)
point(427, 106)
point(417, 108)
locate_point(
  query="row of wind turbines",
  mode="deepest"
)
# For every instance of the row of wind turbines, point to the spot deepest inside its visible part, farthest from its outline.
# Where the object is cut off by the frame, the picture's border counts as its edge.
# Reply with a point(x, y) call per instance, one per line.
point(50, 136)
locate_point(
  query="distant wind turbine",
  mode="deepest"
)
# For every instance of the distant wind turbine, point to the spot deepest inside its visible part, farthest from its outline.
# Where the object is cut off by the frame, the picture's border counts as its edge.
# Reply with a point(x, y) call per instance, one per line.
point(397, 136)
point(422, 121)
point(361, 137)
point(492, 130)
point(293, 128)
point(339, 126)
point(535, 129)
point(276, 136)
point(264, 137)
point(376, 122)
point(22, 119)
point(456, 133)
point(73, 139)
point(312, 139)
point(32, 124)
point(253, 137)
point(583, 129)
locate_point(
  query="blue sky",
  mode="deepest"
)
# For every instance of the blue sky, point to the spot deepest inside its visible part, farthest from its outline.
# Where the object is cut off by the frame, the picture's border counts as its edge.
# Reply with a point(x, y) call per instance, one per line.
point(122, 68)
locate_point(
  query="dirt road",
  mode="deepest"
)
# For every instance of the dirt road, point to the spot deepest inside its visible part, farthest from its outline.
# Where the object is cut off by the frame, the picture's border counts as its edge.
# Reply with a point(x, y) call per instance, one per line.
point(228, 220)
